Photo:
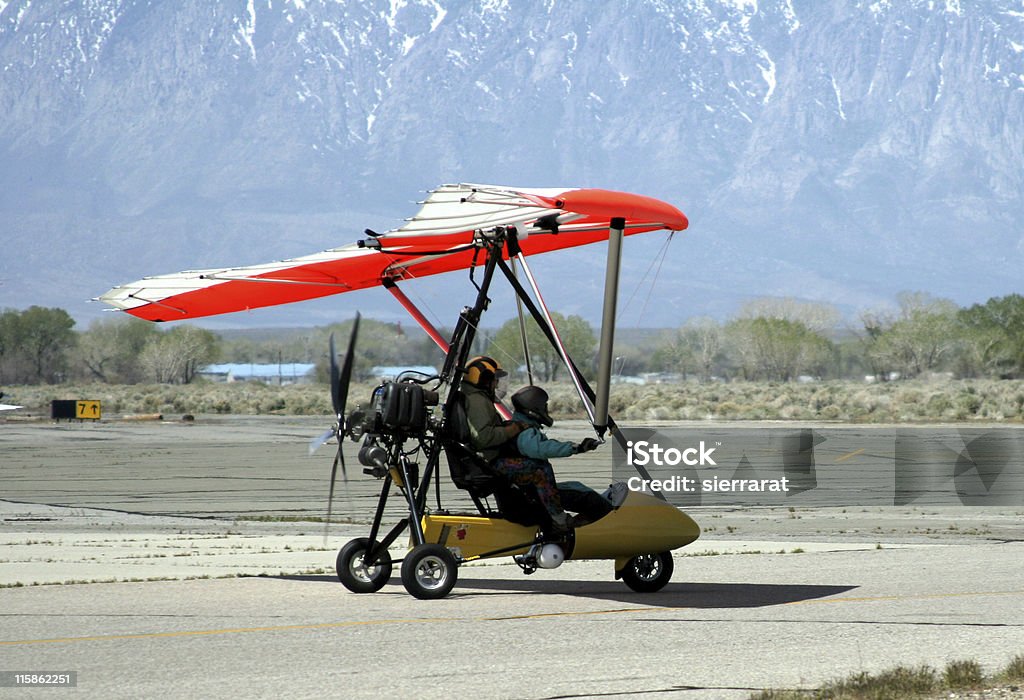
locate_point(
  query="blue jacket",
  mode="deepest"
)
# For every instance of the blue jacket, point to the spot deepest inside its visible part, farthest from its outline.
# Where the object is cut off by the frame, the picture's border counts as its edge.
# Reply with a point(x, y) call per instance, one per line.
point(533, 443)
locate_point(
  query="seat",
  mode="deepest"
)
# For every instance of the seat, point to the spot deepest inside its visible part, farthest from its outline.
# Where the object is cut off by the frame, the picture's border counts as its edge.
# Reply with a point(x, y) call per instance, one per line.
point(471, 473)
point(468, 470)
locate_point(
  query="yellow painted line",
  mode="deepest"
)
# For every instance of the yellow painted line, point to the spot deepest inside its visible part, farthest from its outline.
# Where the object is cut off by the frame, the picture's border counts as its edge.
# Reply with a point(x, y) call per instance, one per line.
point(849, 455)
point(322, 625)
point(921, 596)
point(233, 630)
point(537, 616)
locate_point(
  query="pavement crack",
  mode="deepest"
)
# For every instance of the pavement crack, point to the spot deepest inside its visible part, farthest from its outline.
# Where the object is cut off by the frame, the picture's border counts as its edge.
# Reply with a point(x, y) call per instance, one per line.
point(898, 623)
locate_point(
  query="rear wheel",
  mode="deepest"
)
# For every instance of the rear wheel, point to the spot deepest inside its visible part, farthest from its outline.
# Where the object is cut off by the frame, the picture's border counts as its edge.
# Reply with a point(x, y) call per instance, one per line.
point(358, 575)
point(429, 571)
point(647, 573)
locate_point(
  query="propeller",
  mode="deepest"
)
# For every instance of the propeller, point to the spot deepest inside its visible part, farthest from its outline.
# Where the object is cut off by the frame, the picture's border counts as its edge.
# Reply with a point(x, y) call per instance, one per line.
point(339, 407)
point(340, 379)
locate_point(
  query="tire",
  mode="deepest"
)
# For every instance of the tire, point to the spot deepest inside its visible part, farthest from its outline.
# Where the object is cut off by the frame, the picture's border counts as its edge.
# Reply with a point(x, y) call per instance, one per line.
point(647, 573)
point(355, 574)
point(429, 571)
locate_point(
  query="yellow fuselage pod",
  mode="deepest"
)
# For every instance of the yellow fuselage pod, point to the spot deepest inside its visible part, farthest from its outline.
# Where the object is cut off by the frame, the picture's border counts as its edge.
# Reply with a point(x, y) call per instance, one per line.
point(473, 535)
point(643, 524)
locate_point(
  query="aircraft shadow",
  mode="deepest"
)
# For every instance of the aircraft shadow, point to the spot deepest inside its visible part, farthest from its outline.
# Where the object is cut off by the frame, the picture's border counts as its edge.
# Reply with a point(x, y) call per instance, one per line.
point(674, 595)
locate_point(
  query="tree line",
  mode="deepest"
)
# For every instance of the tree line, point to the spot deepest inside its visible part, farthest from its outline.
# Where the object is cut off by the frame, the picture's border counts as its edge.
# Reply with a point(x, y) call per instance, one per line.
point(766, 340)
point(40, 346)
point(784, 339)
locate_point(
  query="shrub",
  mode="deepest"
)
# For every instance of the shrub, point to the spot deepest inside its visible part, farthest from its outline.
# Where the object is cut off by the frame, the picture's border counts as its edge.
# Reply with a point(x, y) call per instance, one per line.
point(1014, 671)
point(830, 412)
point(963, 674)
point(900, 682)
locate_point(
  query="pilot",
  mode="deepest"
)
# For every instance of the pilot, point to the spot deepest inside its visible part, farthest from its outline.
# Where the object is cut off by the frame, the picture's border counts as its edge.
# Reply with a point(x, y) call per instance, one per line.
point(482, 385)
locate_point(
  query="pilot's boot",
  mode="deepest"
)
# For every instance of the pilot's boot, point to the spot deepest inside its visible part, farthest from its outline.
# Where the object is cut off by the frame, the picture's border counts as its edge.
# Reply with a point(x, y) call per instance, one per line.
point(560, 524)
point(579, 520)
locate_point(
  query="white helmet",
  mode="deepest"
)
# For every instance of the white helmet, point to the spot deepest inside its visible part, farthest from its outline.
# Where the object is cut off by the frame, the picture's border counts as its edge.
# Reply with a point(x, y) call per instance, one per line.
point(550, 556)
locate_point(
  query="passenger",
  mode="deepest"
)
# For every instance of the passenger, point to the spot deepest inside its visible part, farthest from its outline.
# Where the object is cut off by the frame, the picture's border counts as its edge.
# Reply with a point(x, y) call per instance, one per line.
point(531, 404)
point(529, 462)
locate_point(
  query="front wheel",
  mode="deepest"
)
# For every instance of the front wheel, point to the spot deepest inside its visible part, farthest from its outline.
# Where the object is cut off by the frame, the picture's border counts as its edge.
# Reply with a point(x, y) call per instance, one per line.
point(358, 575)
point(429, 571)
point(647, 573)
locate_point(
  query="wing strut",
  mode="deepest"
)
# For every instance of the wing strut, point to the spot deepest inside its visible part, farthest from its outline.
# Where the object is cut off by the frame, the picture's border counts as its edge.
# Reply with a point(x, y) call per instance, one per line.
point(522, 327)
point(611, 294)
point(417, 315)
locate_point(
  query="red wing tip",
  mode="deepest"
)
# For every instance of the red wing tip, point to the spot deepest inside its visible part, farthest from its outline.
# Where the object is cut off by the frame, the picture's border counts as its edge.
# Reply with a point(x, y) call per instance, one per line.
point(634, 207)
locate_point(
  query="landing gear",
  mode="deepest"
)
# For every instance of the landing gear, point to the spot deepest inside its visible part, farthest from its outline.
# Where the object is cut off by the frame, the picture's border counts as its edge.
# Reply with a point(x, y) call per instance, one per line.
point(358, 575)
point(429, 571)
point(647, 573)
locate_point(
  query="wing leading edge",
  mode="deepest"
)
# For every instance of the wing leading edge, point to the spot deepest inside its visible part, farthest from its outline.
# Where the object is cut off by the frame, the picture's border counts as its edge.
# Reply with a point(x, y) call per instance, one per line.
point(437, 239)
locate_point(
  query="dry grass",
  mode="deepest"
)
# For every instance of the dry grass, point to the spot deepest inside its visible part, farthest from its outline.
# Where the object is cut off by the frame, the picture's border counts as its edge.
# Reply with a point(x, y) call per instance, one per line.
point(240, 398)
point(963, 674)
point(1014, 671)
point(904, 682)
point(842, 401)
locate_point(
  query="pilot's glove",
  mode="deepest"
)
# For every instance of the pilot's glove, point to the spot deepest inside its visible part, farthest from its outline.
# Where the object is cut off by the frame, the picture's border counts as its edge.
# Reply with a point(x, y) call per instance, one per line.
point(587, 445)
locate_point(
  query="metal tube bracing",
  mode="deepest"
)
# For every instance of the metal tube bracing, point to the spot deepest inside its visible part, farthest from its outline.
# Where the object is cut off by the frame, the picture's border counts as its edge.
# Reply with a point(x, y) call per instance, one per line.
point(416, 314)
point(522, 327)
point(539, 318)
point(611, 293)
point(557, 339)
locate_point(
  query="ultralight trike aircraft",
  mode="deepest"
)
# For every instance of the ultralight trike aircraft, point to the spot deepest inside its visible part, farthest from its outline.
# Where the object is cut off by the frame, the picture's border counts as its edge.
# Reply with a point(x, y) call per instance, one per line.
point(413, 423)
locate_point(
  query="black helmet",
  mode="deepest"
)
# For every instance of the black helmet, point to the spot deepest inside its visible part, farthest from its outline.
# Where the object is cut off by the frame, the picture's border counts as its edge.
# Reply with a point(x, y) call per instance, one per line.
point(533, 401)
point(482, 370)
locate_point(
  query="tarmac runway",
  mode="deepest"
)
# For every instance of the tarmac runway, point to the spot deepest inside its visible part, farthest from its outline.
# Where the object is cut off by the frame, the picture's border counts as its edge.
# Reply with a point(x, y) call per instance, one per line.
point(185, 570)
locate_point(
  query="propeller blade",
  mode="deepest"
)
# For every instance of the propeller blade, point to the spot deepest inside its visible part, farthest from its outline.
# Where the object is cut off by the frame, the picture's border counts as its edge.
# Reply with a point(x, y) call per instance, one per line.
point(336, 402)
point(345, 377)
point(319, 441)
point(339, 458)
point(340, 379)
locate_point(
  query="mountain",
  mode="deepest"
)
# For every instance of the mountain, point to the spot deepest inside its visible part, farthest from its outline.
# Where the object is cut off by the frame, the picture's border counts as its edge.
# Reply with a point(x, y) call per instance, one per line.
point(839, 152)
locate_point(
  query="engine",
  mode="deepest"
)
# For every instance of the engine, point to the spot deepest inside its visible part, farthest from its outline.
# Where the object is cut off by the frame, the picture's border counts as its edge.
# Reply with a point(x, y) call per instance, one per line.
point(397, 411)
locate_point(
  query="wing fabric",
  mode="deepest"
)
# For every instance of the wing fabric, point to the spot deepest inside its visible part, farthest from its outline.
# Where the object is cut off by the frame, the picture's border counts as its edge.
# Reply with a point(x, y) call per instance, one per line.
point(439, 238)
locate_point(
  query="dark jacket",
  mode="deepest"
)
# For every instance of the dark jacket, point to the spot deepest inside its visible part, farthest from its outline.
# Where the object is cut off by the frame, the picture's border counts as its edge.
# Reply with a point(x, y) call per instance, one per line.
point(487, 429)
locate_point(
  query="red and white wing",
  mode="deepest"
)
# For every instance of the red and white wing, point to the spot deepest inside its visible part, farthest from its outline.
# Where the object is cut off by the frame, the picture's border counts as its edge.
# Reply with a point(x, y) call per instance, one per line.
point(437, 239)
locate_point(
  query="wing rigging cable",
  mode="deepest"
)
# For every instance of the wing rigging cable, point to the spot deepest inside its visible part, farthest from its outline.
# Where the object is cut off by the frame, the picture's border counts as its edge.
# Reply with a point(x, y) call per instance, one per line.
point(660, 260)
point(656, 263)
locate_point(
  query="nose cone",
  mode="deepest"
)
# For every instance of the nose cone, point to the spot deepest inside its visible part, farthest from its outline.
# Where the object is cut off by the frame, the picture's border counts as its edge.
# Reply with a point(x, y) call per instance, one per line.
point(684, 528)
point(642, 524)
